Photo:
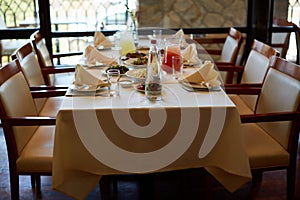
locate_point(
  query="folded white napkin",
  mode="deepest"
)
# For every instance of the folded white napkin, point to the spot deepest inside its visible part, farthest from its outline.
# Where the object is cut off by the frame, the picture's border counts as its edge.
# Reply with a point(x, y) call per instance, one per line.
point(206, 74)
point(101, 41)
point(84, 79)
point(181, 34)
point(94, 56)
point(190, 54)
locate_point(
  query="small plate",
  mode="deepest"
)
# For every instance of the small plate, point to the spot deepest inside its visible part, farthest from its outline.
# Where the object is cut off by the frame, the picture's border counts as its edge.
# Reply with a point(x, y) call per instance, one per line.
point(130, 63)
point(137, 89)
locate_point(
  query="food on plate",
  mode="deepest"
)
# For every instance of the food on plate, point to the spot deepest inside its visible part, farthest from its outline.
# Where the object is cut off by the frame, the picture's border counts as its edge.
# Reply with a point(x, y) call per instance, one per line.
point(140, 86)
point(141, 61)
point(123, 69)
point(138, 73)
point(135, 55)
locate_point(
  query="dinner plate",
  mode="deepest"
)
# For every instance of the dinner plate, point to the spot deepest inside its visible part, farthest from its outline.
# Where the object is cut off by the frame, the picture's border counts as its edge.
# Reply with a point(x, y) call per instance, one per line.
point(130, 63)
point(85, 88)
point(190, 64)
point(200, 86)
point(94, 65)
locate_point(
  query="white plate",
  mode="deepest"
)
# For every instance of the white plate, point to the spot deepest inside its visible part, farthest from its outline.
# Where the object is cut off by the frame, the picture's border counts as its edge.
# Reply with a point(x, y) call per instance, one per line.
point(190, 64)
point(134, 75)
point(130, 63)
point(85, 89)
point(200, 86)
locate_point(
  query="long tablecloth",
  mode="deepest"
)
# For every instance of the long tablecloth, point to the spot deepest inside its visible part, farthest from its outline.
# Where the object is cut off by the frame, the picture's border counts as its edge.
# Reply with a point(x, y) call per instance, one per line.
point(98, 136)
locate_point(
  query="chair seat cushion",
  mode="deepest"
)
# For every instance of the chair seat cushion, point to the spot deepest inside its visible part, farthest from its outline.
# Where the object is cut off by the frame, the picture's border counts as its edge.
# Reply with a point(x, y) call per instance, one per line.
point(262, 149)
point(38, 153)
point(51, 106)
point(240, 105)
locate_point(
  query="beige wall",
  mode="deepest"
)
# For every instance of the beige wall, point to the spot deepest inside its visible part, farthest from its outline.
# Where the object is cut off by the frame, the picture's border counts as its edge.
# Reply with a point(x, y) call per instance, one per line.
point(192, 13)
point(199, 13)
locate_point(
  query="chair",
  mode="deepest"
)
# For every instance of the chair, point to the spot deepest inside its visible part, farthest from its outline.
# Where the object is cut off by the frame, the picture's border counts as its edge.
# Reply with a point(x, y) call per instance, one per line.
point(281, 40)
point(253, 72)
point(35, 75)
point(29, 137)
point(272, 132)
point(230, 51)
point(45, 59)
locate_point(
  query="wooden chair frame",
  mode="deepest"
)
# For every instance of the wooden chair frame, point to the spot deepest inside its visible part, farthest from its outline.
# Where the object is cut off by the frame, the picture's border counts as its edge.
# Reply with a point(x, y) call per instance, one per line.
point(292, 70)
point(8, 122)
point(256, 46)
point(27, 49)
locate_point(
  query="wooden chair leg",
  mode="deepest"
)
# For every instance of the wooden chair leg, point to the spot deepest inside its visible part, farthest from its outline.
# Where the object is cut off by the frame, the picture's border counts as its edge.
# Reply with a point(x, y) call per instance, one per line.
point(32, 179)
point(256, 178)
point(291, 182)
point(105, 188)
point(38, 183)
point(14, 186)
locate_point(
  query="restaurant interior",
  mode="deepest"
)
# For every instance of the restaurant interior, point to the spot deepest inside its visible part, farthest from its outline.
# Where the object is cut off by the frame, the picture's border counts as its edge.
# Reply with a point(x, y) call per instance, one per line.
point(95, 103)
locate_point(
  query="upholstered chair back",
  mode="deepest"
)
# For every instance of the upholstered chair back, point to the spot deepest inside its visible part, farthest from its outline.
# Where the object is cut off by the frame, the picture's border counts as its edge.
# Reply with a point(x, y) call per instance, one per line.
point(256, 67)
point(16, 101)
point(31, 70)
point(280, 93)
point(230, 48)
point(43, 52)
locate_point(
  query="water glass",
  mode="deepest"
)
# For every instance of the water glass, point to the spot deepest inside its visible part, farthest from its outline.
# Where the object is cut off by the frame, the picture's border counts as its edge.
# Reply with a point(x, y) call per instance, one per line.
point(116, 53)
point(177, 67)
point(113, 77)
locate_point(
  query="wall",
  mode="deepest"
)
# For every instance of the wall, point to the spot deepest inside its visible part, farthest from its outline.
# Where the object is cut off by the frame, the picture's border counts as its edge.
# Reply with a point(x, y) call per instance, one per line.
point(192, 13)
point(199, 13)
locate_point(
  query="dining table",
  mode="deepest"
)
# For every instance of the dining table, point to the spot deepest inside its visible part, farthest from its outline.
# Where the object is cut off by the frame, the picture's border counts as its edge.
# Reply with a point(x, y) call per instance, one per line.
point(98, 135)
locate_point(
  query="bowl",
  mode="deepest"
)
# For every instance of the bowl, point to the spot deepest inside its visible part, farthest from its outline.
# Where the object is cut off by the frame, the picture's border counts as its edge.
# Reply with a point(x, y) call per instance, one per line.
point(126, 83)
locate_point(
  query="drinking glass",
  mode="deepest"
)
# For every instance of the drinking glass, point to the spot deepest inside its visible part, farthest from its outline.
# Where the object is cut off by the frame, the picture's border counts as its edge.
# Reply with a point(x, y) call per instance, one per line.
point(116, 53)
point(177, 67)
point(113, 76)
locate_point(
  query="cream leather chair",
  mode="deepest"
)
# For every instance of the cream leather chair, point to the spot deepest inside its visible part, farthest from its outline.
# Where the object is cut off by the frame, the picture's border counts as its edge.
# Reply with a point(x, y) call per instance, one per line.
point(46, 60)
point(29, 144)
point(253, 72)
point(35, 78)
point(272, 132)
point(228, 54)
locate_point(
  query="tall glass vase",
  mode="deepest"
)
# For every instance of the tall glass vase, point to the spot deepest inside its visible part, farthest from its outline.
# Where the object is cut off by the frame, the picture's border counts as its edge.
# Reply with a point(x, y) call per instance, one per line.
point(132, 25)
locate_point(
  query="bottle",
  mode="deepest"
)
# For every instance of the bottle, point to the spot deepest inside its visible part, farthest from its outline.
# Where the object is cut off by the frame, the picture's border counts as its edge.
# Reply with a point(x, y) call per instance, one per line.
point(153, 85)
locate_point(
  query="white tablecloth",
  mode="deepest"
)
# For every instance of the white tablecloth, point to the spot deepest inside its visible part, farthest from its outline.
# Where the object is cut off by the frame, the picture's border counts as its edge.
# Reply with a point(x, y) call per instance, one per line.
point(98, 135)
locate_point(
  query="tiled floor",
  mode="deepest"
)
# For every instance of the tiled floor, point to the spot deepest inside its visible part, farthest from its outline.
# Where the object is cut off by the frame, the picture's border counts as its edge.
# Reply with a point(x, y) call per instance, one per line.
point(176, 185)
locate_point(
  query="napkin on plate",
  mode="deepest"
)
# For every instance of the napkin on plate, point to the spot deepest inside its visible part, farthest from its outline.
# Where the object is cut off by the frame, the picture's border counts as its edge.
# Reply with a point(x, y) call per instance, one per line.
point(206, 74)
point(93, 56)
point(101, 41)
point(181, 34)
point(190, 54)
point(84, 79)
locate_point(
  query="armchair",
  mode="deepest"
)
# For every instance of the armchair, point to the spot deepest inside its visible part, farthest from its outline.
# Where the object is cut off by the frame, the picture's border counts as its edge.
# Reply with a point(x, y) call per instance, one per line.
point(35, 75)
point(254, 71)
point(46, 60)
point(272, 132)
point(29, 137)
point(228, 54)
